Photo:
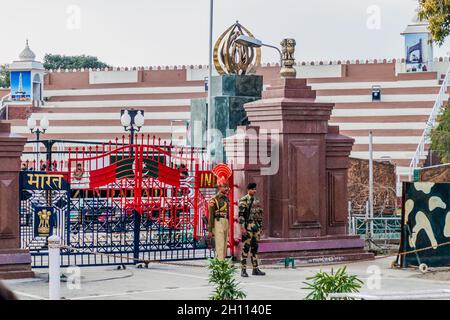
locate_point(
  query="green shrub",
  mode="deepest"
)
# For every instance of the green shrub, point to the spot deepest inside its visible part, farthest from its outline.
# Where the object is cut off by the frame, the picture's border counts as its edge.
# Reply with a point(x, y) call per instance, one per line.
point(221, 275)
point(324, 283)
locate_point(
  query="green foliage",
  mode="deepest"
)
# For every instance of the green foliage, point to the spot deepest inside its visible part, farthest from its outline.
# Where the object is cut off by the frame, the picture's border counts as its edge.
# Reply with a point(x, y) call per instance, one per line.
point(57, 61)
point(440, 135)
point(437, 12)
point(4, 76)
point(221, 275)
point(324, 283)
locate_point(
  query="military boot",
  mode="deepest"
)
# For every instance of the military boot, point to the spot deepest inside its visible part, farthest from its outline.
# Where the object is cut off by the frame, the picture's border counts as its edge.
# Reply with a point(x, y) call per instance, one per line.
point(244, 273)
point(257, 272)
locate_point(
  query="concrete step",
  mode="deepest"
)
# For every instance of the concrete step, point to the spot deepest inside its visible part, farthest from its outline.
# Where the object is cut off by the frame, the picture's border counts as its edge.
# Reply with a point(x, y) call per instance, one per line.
point(313, 250)
point(18, 274)
point(301, 259)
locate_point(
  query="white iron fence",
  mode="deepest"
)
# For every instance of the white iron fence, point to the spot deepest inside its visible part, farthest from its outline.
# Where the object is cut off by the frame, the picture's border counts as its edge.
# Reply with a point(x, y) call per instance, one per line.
point(424, 139)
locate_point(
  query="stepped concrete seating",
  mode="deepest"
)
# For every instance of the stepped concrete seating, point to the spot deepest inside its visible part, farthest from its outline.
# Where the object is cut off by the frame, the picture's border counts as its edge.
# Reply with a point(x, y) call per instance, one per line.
point(80, 108)
point(397, 121)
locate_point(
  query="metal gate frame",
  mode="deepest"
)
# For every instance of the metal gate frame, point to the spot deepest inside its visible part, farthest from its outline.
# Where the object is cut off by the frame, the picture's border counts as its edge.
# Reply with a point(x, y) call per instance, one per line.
point(168, 205)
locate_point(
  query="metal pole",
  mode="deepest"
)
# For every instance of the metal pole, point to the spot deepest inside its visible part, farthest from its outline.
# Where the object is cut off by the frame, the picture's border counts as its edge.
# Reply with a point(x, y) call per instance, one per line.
point(349, 222)
point(38, 165)
point(354, 227)
point(367, 220)
point(371, 182)
point(132, 139)
point(210, 110)
point(136, 215)
point(49, 151)
point(54, 261)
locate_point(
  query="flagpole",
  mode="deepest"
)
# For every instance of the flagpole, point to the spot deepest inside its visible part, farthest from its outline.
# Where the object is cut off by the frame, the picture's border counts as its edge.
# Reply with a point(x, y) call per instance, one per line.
point(210, 110)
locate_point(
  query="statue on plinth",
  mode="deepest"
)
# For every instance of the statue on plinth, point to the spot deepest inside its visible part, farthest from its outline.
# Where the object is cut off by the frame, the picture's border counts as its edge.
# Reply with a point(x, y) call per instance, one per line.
point(288, 60)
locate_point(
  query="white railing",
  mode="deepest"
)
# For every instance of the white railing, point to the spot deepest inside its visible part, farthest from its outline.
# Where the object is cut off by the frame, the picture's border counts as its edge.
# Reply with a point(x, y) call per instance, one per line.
point(424, 139)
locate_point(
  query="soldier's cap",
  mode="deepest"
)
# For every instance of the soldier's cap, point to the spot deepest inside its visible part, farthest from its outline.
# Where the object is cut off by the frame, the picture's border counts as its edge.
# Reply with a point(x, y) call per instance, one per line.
point(251, 185)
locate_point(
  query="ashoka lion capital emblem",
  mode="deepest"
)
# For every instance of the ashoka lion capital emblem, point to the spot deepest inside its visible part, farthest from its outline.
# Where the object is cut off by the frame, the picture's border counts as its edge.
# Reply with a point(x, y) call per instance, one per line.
point(44, 222)
point(288, 60)
point(233, 58)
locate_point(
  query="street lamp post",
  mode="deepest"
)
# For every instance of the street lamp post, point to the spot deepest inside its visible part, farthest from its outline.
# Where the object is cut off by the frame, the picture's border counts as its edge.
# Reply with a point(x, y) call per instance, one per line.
point(32, 126)
point(133, 120)
point(256, 43)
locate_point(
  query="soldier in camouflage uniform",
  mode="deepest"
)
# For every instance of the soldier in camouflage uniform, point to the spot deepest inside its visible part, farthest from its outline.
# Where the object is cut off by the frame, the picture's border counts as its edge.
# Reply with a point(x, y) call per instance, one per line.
point(250, 219)
point(218, 225)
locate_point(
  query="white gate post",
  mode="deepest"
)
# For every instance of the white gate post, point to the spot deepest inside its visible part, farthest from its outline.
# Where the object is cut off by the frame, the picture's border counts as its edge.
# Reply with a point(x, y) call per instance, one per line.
point(367, 220)
point(54, 261)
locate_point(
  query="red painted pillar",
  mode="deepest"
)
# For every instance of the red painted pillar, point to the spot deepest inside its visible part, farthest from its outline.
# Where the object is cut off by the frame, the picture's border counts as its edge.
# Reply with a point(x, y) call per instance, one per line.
point(232, 216)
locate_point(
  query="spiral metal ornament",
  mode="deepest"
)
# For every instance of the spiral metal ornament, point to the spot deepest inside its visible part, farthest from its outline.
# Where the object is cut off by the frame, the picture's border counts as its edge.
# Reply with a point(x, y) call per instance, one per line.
point(233, 58)
point(223, 172)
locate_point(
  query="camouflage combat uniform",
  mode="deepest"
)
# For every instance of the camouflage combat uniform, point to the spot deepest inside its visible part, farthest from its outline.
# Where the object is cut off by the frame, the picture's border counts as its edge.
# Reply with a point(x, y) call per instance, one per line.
point(218, 223)
point(253, 225)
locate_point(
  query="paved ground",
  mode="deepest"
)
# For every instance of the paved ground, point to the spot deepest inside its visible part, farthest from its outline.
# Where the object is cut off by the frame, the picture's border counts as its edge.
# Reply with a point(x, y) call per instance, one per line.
point(187, 282)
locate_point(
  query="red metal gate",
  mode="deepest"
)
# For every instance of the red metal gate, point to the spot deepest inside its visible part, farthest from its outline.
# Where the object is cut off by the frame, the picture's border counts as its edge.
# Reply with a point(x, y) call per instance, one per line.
point(138, 201)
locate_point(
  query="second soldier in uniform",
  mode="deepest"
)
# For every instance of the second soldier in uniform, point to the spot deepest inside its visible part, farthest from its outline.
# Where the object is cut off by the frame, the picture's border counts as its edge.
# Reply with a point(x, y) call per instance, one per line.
point(250, 220)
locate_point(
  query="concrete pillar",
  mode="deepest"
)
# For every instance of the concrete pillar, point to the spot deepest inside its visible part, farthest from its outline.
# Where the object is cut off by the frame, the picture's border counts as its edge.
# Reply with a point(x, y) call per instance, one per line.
point(54, 268)
point(338, 152)
point(296, 206)
point(243, 153)
point(14, 261)
point(305, 198)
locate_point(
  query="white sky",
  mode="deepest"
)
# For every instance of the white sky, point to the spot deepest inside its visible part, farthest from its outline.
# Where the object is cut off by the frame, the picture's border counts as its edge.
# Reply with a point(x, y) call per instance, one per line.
point(175, 32)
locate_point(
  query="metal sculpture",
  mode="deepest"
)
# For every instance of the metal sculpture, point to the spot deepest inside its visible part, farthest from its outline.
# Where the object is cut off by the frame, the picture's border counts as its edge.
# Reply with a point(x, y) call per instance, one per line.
point(233, 58)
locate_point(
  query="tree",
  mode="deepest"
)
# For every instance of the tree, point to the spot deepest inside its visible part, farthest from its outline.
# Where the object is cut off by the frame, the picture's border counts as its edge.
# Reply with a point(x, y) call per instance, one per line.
point(440, 135)
point(437, 12)
point(57, 61)
point(4, 76)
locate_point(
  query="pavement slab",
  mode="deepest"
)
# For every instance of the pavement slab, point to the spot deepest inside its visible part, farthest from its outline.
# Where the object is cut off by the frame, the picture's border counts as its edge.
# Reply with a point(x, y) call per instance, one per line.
point(189, 281)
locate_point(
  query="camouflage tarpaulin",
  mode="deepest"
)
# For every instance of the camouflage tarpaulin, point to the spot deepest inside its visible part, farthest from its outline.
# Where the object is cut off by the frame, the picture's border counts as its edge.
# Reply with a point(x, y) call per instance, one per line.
point(426, 223)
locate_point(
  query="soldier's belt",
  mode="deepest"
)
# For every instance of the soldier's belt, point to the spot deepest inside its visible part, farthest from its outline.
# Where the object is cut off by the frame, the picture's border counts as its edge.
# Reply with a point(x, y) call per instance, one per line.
point(221, 215)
